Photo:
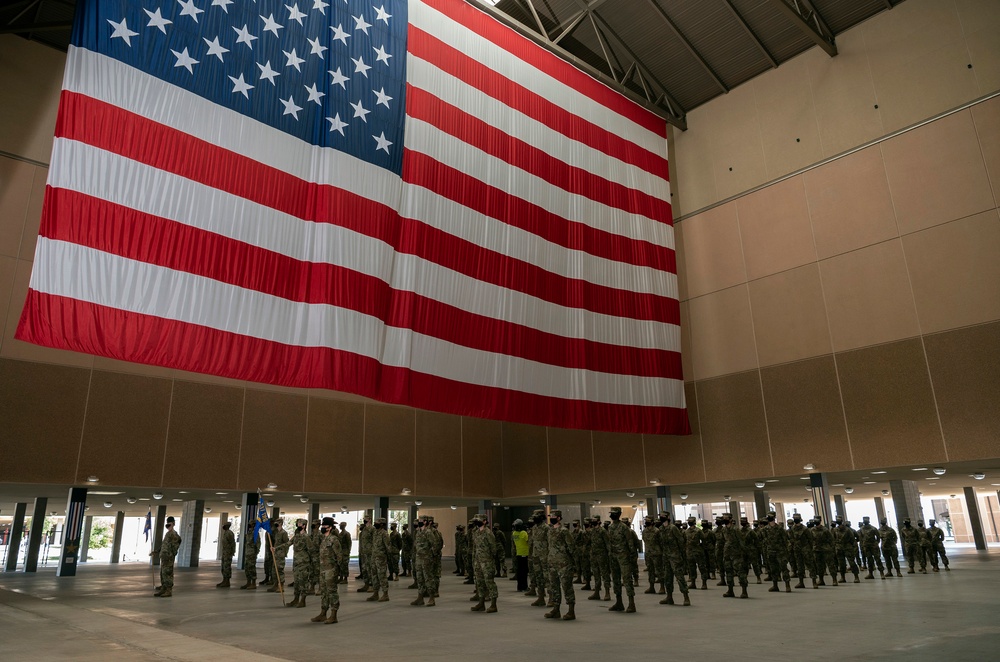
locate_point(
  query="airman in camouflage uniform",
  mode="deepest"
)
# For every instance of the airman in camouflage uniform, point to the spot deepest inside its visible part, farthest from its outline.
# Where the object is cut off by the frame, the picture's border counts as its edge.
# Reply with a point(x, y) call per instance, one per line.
point(936, 537)
point(484, 565)
point(395, 545)
point(406, 550)
point(802, 543)
point(654, 560)
point(793, 554)
point(501, 551)
point(329, 565)
point(622, 550)
point(438, 549)
point(345, 552)
point(365, 555)
point(313, 584)
point(777, 554)
point(734, 550)
point(423, 563)
point(673, 549)
point(911, 547)
point(302, 562)
point(540, 554)
point(846, 542)
point(695, 550)
point(227, 547)
point(279, 538)
point(869, 549)
point(251, 548)
point(562, 549)
point(583, 550)
point(925, 545)
point(753, 547)
point(378, 555)
point(460, 548)
point(636, 549)
point(720, 550)
point(823, 550)
point(890, 547)
point(168, 550)
point(709, 542)
point(600, 559)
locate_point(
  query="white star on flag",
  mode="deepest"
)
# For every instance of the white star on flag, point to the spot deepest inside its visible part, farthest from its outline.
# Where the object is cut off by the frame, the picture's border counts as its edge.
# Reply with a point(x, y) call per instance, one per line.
point(381, 55)
point(293, 60)
point(190, 10)
point(290, 107)
point(222, 3)
point(383, 98)
point(360, 67)
point(383, 144)
point(317, 49)
point(216, 49)
point(360, 23)
point(156, 20)
point(336, 124)
point(294, 14)
point(359, 111)
point(267, 72)
point(338, 78)
point(121, 30)
point(314, 94)
point(338, 33)
point(244, 36)
point(270, 25)
point(184, 60)
point(320, 6)
point(241, 86)
point(382, 15)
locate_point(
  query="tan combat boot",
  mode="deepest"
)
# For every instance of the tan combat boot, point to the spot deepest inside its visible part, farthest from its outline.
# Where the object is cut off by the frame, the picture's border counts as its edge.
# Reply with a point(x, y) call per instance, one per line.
point(687, 600)
point(430, 601)
point(607, 595)
point(385, 596)
point(669, 600)
point(539, 602)
point(302, 601)
point(631, 605)
point(479, 606)
point(744, 595)
point(570, 614)
point(319, 618)
point(554, 613)
point(294, 602)
point(373, 597)
point(596, 594)
point(419, 601)
point(492, 609)
point(333, 617)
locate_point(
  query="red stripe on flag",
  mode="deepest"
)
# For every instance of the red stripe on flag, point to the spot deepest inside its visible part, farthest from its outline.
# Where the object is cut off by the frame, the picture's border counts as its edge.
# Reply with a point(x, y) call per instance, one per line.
point(105, 226)
point(533, 105)
point(470, 129)
point(529, 52)
point(80, 326)
point(132, 136)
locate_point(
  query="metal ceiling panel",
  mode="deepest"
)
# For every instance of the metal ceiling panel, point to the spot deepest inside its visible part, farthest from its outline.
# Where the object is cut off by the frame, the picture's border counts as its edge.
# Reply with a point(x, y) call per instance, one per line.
point(782, 38)
point(840, 16)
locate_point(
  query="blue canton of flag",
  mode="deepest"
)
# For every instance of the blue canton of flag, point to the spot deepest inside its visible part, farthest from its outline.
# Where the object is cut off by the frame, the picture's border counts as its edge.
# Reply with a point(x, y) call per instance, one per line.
point(263, 522)
point(149, 524)
point(331, 74)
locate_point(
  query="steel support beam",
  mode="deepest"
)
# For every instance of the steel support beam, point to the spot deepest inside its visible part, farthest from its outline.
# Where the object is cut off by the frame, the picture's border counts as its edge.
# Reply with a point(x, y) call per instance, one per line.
point(36, 27)
point(807, 19)
point(687, 44)
point(753, 35)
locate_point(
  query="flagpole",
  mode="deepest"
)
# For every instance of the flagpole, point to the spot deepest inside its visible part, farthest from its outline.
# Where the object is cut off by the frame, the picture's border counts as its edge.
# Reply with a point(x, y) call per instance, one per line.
point(274, 560)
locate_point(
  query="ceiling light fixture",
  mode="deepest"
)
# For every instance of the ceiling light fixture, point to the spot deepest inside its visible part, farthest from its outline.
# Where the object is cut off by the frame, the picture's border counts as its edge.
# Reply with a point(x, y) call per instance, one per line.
point(810, 467)
point(239, 506)
point(849, 490)
point(726, 497)
point(655, 481)
point(405, 490)
point(979, 475)
point(885, 492)
point(759, 484)
point(684, 496)
point(418, 503)
point(272, 486)
point(939, 471)
point(131, 499)
point(208, 509)
point(107, 504)
point(92, 479)
point(454, 507)
point(270, 503)
point(919, 469)
point(157, 495)
point(304, 499)
point(630, 494)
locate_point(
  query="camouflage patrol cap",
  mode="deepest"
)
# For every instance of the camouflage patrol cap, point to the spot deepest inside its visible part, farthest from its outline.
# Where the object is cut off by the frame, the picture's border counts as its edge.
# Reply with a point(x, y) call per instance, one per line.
point(459, 526)
point(429, 518)
point(866, 519)
point(555, 513)
point(537, 512)
point(576, 521)
point(647, 518)
point(328, 521)
point(616, 509)
point(302, 520)
point(626, 520)
point(692, 518)
point(380, 520)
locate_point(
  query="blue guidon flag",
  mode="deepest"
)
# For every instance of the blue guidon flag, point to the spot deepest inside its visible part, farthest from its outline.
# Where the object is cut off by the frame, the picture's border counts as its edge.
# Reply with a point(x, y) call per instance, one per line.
point(262, 521)
point(148, 525)
point(406, 200)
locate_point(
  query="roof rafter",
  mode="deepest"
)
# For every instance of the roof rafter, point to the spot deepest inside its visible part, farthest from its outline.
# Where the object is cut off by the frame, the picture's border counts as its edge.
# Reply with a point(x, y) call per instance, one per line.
point(806, 18)
point(687, 44)
point(752, 34)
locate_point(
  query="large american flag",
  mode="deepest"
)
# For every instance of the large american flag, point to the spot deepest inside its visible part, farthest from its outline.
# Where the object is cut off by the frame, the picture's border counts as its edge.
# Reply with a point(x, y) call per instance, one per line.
point(403, 200)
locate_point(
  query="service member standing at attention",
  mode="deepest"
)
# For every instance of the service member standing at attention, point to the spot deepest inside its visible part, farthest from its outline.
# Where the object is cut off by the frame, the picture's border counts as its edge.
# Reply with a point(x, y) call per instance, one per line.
point(484, 565)
point(622, 549)
point(695, 541)
point(406, 550)
point(673, 549)
point(823, 550)
point(329, 564)
point(379, 564)
point(227, 545)
point(869, 548)
point(168, 550)
point(777, 554)
point(251, 548)
point(540, 556)
point(460, 547)
point(365, 554)
point(890, 547)
point(501, 553)
point(281, 545)
point(302, 563)
point(345, 552)
point(437, 548)
point(600, 559)
point(936, 536)
point(562, 548)
point(395, 545)
point(651, 545)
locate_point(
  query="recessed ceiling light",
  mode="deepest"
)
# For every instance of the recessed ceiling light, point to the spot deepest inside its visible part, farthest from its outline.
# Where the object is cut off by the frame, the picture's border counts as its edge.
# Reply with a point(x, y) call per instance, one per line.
point(228, 501)
point(919, 469)
point(880, 472)
point(837, 485)
point(933, 478)
point(803, 477)
point(106, 493)
point(143, 498)
point(181, 492)
point(222, 493)
point(771, 480)
point(869, 482)
point(939, 471)
point(178, 499)
point(92, 479)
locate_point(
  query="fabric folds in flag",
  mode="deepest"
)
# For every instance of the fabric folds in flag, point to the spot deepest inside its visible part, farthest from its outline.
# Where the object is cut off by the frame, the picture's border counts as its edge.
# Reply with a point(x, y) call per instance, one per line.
point(403, 200)
point(148, 525)
point(263, 522)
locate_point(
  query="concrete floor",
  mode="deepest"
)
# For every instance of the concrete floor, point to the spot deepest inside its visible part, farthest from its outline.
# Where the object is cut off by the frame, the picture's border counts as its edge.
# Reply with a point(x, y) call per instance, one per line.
point(108, 613)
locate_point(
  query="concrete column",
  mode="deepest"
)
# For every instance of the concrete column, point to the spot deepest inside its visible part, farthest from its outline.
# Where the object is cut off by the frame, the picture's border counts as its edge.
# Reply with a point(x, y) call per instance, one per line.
point(734, 510)
point(762, 502)
point(972, 506)
point(553, 502)
point(249, 509)
point(584, 511)
point(412, 517)
point(16, 531)
point(35, 534)
point(821, 496)
point(313, 512)
point(156, 535)
point(652, 507)
point(664, 500)
point(116, 541)
point(839, 507)
point(906, 501)
point(88, 526)
point(381, 508)
point(192, 519)
point(223, 517)
point(72, 529)
point(779, 512)
point(879, 509)
point(275, 512)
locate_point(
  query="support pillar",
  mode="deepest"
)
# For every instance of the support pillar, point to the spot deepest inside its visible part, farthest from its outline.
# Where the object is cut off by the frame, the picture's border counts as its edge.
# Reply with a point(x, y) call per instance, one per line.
point(584, 511)
point(879, 509)
point(821, 496)
point(652, 507)
point(157, 532)
point(313, 512)
point(779, 513)
point(35, 534)
point(906, 502)
point(275, 513)
point(223, 518)
point(116, 541)
point(248, 501)
point(972, 507)
point(192, 519)
point(734, 510)
point(664, 501)
point(412, 517)
point(839, 506)
point(762, 502)
point(381, 508)
point(88, 526)
point(72, 529)
point(16, 532)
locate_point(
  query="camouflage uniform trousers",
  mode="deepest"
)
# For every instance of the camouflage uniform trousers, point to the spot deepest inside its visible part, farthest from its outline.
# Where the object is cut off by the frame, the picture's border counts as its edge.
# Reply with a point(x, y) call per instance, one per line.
point(540, 573)
point(720, 558)
point(806, 562)
point(407, 559)
point(585, 567)
point(936, 550)
point(166, 572)
point(279, 561)
point(227, 567)
point(561, 581)
point(753, 561)
point(380, 572)
point(635, 570)
point(654, 567)
point(872, 557)
point(424, 575)
point(824, 563)
point(891, 555)
point(345, 567)
point(601, 566)
point(709, 552)
point(777, 565)
point(302, 575)
point(486, 587)
point(621, 573)
point(736, 567)
point(328, 589)
point(250, 568)
point(915, 554)
point(845, 558)
point(793, 560)
point(696, 558)
point(674, 568)
point(501, 562)
point(394, 563)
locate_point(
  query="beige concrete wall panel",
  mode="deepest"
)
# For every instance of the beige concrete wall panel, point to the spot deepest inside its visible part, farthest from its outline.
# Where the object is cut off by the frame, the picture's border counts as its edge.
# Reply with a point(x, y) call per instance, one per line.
point(389, 449)
point(805, 417)
point(723, 333)
point(674, 459)
point(955, 272)
point(114, 365)
point(571, 461)
point(334, 446)
point(844, 94)
point(733, 430)
point(687, 338)
point(203, 441)
point(42, 408)
point(788, 124)
point(868, 297)
point(482, 457)
point(525, 460)
point(33, 217)
point(986, 116)
point(694, 181)
point(739, 166)
point(682, 286)
point(8, 271)
point(984, 54)
point(890, 410)
point(849, 203)
point(274, 439)
point(125, 430)
point(789, 316)
point(34, 74)
point(937, 174)
point(15, 191)
point(618, 460)
point(775, 229)
point(439, 455)
point(16, 349)
point(713, 253)
point(910, 30)
point(965, 369)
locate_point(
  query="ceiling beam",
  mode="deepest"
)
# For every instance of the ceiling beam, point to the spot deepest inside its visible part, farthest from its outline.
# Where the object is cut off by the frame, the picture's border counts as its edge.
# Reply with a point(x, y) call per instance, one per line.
point(688, 45)
point(36, 27)
point(752, 34)
point(571, 24)
point(807, 19)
